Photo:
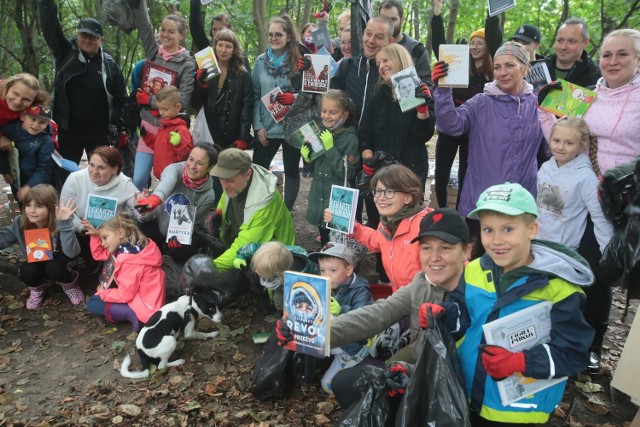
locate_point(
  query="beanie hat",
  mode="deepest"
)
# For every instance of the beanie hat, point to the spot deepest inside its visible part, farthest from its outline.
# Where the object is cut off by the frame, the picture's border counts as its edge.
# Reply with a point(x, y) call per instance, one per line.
point(477, 33)
point(514, 49)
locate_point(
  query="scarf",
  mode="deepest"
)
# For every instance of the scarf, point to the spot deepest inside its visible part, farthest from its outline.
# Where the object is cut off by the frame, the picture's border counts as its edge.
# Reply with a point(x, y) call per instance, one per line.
point(190, 183)
point(406, 211)
point(276, 66)
point(169, 56)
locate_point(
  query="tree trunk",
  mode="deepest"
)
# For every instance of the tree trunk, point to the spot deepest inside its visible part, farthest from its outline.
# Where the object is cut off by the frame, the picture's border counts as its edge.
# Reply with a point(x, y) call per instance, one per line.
point(260, 19)
point(306, 14)
point(26, 18)
point(453, 17)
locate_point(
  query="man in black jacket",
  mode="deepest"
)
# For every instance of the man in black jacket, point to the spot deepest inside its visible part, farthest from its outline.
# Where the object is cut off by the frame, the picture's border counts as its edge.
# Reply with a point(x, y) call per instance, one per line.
point(89, 88)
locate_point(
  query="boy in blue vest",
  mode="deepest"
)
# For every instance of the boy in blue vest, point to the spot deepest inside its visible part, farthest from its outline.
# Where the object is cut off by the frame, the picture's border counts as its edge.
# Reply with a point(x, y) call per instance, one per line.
point(515, 273)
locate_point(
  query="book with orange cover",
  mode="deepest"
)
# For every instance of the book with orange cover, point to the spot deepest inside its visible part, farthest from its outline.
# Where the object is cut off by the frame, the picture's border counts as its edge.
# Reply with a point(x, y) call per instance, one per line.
point(38, 245)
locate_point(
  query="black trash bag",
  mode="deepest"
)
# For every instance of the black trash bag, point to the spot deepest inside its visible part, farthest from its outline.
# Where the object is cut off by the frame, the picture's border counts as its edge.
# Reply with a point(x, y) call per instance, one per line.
point(379, 160)
point(615, 191)
point(270, 378)
point(303, 110)
point(372, 409)
point(435, 395)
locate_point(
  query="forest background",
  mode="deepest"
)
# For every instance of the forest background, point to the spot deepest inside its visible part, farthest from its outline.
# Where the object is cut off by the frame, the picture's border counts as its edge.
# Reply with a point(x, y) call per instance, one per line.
point(22, 47)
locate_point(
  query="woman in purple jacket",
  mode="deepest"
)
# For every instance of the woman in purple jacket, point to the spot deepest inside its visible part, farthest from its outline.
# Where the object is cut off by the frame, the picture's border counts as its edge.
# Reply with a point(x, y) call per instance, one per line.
point(504, 135)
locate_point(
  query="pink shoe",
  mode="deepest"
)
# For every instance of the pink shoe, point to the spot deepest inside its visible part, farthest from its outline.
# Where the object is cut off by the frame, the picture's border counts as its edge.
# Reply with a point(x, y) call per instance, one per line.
point(35, 298)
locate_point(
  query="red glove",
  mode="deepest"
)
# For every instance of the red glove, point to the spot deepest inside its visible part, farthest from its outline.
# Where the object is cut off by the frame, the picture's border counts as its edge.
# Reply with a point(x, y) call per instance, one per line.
point(286, 98)
point(440, 70)
point(283, 332)
point(240, 144)
point(123, 139)
point(423, 313)
point(147, 204)
point(143, 98)
point(423, 92)
point(368, 169)
point(326, 9)
point(397, 377)
point(304, 63)
point(174, 243)
point(201, 77)
point(54, 133)
point(501, 363)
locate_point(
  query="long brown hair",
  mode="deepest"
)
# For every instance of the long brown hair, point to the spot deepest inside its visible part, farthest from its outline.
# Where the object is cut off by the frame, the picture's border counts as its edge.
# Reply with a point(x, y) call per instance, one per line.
point(45, 195)
point(293, 49)
point(486, 68)
point(236, 63)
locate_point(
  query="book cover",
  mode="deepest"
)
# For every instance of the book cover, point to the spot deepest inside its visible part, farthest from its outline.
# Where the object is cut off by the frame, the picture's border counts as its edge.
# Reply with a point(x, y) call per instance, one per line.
point(309, 134)
point(517, 332)
point(457, 56)
point(38, 245)
point(316, 78)
point(404, 85)
point(155, 77)
point(343, 203)
point(538, 75)
point(333, 65)
point(499, 6)
point(100, 209)
point(181, 221)
point(277, 110)
point(306, 309)
point(66, 164)
point(206, 59)
point(572, 100)
point(321, 39)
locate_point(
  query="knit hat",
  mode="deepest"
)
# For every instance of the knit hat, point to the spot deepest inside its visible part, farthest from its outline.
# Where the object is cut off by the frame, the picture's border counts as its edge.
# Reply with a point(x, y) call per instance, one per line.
point(509, 199)
point(445, 224)
point(332, 249)
point(231, 162)
point(91, 27)
point(514, 49)
point(477, 33)
point(40, 111)
point(527, 33)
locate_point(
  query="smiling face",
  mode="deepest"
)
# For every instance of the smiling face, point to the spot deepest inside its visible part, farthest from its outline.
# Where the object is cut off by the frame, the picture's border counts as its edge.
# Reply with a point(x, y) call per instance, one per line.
point(569, 45)
point(20, 97)
point(386, 66)
point(331, 113)
point(619, 61)
point(443, 262)
point(224, 51)
point(100, 172)
point(406, 88)
point(345, 43)
point(32, 124)
point(375, 37)
point(477, 48)
point(390, 206)
point(278, 38)
point(170, 35)
point(198, 164)
point(335, 269)
point(37, 213)
point(565, 144)
point(88, 44)
point(507, 239)
point(111, 239)
point(509, 74)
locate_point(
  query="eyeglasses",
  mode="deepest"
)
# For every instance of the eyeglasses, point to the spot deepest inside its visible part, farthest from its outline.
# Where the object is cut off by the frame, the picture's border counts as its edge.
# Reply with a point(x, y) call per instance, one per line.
point(87, 37)
point(345, 43)
point(388, 194)
point(275, 36)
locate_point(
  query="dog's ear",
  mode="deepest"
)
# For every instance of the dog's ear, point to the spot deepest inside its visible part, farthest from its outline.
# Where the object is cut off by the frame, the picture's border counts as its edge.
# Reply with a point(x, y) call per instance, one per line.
point(215, 297)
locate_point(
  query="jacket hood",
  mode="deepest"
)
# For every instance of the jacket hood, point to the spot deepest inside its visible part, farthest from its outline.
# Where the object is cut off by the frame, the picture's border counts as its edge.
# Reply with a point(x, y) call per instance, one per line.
point(580, 162)
point(150, 255)
point(632, 84)
point(261, 190)
point(556, 260)
point(492, 89)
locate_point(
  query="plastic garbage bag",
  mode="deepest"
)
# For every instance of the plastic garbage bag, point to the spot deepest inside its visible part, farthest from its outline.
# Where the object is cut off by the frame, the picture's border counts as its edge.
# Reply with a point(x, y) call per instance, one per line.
point(379, 160)
point(269, 375)
point(373, 407)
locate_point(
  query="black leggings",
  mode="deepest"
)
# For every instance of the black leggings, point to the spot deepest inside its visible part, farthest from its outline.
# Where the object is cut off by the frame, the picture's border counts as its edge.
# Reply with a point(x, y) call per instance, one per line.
point(291, 158)
point(58, 269)
point(446, 149)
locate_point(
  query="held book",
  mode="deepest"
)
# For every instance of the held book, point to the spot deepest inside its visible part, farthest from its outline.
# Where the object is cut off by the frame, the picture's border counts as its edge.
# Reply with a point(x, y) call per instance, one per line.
point(457, 56)
point(307, 298)
point(181, 221)
point(316, 78)
point(343, 204)
point(321, 39)
point(156, 76)
point(517, 332)
point(538, 75)
point(277, 110)
point(309, 134)
point(499, 6)
point(66, 164)
point(332, 62)
point(100, 209)
point(404, 85)
point(38, 245)
point(572, 100)
point(206, 59)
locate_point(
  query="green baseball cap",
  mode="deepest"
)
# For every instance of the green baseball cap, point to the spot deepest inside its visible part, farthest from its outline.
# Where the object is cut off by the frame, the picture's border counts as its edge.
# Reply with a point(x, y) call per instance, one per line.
point(231, 162)
point(509, 199)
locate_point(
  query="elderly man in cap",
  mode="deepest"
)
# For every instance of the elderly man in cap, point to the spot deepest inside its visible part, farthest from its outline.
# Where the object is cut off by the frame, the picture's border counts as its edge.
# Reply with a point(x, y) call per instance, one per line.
point(89, 88)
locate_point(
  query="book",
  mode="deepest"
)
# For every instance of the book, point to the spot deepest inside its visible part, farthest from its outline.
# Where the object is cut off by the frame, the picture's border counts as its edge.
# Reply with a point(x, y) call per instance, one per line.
point(38, 245)
point(156, 76)
point(206, 59)
point(316, 78)
point(343, 202)
point(538, 75)
point(404, 84)
point(309, 134)
point(572, 100)
point(66, 164)
point(181, 221)
point(499, 6)
point(321, 39)
point(457, 56)
point(260, 337)
point(100, 209)
point(307, 298)
point(277, 110)
point(517, 332)
point(333, 65)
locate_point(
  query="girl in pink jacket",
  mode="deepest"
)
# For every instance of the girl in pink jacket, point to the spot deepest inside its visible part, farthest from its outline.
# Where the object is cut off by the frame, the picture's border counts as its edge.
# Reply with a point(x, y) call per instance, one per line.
point(132, 282)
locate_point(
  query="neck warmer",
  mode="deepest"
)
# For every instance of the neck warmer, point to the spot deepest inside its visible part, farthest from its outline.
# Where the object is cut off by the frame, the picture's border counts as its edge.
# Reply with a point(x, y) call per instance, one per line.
point(168, 56)
point(190, 183)
point(406, 211)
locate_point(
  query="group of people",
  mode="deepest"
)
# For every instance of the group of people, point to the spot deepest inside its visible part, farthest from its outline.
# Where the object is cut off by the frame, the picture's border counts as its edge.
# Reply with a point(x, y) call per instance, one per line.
point(524, 175)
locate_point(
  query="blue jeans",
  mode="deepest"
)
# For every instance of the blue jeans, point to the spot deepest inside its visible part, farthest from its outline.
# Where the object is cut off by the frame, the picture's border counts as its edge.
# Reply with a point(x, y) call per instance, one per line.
point(142, 170)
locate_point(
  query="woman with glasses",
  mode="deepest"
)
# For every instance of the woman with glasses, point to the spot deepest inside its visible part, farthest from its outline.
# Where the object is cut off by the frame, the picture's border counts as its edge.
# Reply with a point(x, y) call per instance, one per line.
point(398, 195)
point(345, 43)
point(272, 69)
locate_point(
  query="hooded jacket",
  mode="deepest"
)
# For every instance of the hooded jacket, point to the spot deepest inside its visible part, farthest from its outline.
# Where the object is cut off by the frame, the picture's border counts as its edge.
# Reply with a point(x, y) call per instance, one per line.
point(497, 154)
point(352, 295)
point(301, 261)
point(265, 218)
point(139, 277)
point(565, 196)
point(358, 77)
point(556, 274)
point(67, 242)
point(36, 165)
point(166, 153)
point(584, 72)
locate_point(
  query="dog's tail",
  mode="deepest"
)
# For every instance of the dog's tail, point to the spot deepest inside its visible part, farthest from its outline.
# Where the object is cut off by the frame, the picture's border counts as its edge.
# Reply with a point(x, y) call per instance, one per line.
point(125, 372)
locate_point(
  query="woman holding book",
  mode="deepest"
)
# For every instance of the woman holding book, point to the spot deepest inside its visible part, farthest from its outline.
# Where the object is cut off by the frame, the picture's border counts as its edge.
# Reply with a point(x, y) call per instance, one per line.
point(167, 58)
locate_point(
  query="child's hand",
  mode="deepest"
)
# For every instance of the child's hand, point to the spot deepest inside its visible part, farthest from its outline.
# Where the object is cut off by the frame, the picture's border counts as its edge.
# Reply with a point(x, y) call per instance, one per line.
point(501, 363)
point(65, 211)
point(305, 152)
point(334, 307)
point(91, 230)
point(174, 138)
point(328, 215)
point(22, 192)
point(5, 144)
point(239, 263)
point(327, 140)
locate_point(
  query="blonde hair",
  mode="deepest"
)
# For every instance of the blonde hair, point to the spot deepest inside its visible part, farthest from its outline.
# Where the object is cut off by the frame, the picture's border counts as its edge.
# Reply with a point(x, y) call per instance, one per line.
point(124, 221)
point(42, 97)
point(169, 93)
point(398, 55)
point(271, 259)
point(587, 141)
point(42, 194)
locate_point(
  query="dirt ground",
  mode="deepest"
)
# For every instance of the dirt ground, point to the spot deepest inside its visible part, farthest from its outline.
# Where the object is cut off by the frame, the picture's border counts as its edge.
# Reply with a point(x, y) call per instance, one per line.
point(59, 367)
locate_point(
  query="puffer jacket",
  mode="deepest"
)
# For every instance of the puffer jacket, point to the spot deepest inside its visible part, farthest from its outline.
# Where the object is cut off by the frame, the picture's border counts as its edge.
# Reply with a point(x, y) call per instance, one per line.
point(358, 77)
point(36, 165)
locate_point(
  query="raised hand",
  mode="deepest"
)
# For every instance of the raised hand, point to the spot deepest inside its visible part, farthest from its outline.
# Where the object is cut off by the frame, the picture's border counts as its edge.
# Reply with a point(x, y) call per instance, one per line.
point(327, 215)
point(91, 230)
point(440, 70)
point(67, 209)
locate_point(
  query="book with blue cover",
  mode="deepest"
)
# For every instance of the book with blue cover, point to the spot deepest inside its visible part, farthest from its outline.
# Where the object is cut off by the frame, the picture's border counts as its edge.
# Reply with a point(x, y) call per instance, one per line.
point(66, 164)
point(342, 204)
point(100, 209)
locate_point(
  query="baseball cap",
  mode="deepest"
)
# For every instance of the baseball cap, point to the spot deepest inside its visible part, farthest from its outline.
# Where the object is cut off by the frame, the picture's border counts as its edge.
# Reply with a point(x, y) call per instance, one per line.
point(90, 26)
point(509, 199)
point(527, 33)
point(231, 162)
point(446, 224)
point(337, 250)
point(40, 111)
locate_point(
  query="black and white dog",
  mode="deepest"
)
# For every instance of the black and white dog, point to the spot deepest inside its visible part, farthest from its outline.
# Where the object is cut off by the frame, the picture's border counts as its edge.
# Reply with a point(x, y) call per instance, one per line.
point(158, 340)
